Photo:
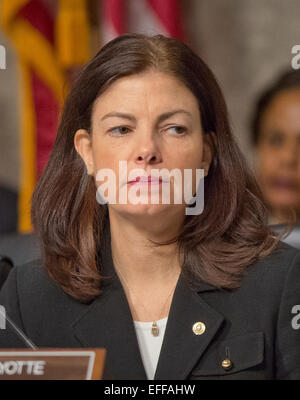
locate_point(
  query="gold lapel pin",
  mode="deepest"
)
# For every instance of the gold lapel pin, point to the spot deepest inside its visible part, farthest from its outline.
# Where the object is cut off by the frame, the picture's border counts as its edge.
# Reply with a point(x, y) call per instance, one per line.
point(199, 328)
point(227, 364)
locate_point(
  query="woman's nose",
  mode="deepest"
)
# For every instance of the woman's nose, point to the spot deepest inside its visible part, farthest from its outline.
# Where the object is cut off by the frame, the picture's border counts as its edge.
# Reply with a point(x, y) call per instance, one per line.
point(289, 155)
point(147, 157)
point(148, 151)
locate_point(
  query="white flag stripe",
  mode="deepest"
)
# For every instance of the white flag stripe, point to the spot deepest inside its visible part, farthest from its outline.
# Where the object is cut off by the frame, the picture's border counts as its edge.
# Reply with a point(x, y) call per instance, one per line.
point(108, 32)
point(143, 19)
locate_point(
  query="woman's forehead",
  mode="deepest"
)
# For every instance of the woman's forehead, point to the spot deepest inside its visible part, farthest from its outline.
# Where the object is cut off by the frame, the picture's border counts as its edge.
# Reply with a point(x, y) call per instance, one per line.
point(150, 91)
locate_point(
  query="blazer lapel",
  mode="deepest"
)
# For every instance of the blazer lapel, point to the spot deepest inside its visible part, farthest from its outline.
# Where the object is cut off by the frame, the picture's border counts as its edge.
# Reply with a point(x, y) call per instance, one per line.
point(108, 323)
point(182, 348)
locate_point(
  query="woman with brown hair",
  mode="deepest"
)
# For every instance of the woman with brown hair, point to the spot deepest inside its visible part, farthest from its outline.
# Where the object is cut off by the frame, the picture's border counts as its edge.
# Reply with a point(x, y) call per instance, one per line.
point(275, 132)
point(170, 292)
point(275, 129)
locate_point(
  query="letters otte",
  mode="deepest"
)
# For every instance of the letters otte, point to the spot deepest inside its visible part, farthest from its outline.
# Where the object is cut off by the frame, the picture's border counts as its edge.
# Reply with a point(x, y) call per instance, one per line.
point(27, 367)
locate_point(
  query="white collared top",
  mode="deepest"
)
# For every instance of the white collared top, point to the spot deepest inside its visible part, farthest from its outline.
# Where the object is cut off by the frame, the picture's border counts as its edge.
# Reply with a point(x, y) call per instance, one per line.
point(150, 345)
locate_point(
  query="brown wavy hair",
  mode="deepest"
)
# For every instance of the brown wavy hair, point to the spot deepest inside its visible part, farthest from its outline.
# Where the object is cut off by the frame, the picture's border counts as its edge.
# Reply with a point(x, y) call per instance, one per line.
point(218, 245)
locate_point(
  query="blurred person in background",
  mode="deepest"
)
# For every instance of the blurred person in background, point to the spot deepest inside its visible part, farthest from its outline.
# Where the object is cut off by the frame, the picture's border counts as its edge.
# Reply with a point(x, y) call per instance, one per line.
point(276, 137)
point(14, 245)
point(8, 210)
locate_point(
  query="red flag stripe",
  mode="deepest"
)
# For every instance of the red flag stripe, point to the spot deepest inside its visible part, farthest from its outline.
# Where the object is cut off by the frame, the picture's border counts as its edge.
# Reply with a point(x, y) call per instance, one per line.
point(38, 15)
point(45, 104)
point(46, 116)
point(169, 14)
point(113, 15)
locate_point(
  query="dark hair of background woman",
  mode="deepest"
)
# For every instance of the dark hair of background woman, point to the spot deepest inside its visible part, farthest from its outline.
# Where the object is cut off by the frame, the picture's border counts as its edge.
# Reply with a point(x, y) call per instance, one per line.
point(218, 244)
point(287, 80)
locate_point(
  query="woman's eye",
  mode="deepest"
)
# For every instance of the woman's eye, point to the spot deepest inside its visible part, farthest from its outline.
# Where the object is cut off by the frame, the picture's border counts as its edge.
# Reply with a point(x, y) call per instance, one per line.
point(119, 130)
point(276, 140)
point(273, 138)
point(179, 130)
point(123, 130)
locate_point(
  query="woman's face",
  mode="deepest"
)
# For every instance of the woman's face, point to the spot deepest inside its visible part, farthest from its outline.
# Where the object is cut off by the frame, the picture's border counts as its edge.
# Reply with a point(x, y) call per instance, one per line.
point(279, 152)
point(149, 121)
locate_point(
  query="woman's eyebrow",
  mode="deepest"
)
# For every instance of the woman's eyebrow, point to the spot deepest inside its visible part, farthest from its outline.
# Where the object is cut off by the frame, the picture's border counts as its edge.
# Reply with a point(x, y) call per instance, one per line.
point(132, 118)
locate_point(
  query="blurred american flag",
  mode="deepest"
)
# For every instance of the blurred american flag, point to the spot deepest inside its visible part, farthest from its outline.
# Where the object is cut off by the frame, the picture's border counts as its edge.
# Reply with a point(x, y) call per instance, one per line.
point(141, 16)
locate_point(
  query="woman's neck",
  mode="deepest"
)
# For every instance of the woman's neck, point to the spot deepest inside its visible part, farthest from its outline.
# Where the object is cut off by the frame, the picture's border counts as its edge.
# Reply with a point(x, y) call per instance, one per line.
point(142, 263)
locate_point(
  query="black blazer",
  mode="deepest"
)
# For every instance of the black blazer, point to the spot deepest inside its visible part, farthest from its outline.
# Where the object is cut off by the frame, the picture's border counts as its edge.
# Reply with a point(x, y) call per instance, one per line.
point(252, 326)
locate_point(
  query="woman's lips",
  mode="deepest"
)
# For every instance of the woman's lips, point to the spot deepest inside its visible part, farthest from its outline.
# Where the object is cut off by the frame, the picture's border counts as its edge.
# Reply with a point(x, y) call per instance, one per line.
point(146, 180)
point(283, 184)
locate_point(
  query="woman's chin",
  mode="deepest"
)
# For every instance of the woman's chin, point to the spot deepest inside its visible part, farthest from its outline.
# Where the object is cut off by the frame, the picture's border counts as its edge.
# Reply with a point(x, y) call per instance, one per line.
point(284, 203)
point(148, 210)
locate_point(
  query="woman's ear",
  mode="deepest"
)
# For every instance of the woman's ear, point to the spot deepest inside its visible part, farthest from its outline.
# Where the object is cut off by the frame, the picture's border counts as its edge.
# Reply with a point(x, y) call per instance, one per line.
point(208, 151)
point(83, 146)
